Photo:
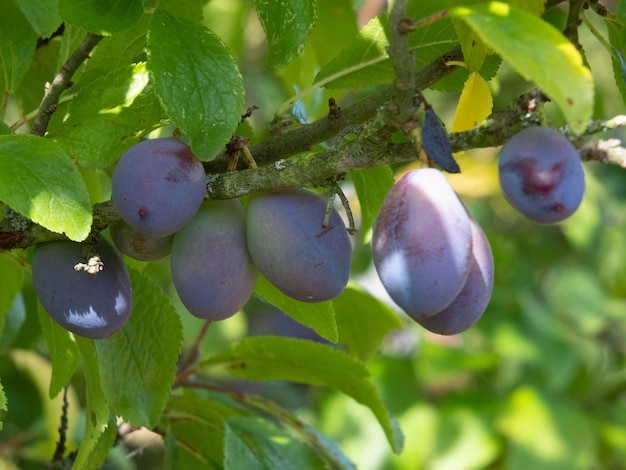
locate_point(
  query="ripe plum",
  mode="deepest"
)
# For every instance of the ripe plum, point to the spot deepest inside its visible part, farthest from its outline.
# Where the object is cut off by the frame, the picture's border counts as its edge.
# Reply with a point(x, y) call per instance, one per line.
point(421, 244)
point(211, 268)
point(292, 248)
point(541, 175)
point(158, 186)
point(90, 305)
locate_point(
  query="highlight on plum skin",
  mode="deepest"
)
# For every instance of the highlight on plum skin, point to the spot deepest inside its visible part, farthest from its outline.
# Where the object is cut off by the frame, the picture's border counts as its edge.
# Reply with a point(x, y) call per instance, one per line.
point(91, 305)
point(541, 175)
point(421, 244)
point(158, 186)
point(293, 250)
point(467, 308)
point(211, 267)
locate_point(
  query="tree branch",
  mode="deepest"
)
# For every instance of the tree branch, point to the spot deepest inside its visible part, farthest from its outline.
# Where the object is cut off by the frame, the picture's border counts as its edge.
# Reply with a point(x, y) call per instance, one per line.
point(62, 82)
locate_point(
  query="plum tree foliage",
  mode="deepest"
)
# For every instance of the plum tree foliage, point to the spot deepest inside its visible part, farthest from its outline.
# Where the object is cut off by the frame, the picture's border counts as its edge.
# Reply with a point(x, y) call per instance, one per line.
point(431, 192)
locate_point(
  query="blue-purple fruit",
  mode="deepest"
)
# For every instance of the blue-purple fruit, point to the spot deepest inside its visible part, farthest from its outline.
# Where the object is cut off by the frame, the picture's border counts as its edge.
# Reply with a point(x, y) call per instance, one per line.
point(422, 243)
point(541, 175)
point(158, 186)
point(90, 305)
point(293, 250)
point(211, 268)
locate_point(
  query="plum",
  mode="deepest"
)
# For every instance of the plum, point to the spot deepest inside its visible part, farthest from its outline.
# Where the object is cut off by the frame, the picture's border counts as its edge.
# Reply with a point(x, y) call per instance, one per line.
point(158, 186)
point(90, 305)
point(541, 175)
point(422, 243)
point(293, 250)
point(211, 267)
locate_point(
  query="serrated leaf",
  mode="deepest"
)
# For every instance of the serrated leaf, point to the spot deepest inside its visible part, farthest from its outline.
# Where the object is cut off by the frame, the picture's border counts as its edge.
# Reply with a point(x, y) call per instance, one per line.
point(545, 56)
point(101, 17)
point(255, 443)
point(287, 25)
point(363, 322)
point(365, 63)
point(138, 363)
point(97, 416)
point(436, 144)
point(3, 402)
point(42, 15)
point(372, 185)
point(108, 116)
point(38, 180)
point(475, 104)
point(197, 81)
point(319, 316)
point(17, 44)
point(64, 353)
point(274, 358)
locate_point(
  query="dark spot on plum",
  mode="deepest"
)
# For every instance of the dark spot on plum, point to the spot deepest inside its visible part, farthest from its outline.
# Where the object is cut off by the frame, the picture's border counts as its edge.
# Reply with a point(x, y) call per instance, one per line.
point(143, 213)
point(186, 162)
point(538, 183)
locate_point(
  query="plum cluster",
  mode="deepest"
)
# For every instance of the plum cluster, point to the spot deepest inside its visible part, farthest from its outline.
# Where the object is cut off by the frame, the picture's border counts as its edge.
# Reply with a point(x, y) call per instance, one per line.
point(430, 254)
point(217, 248)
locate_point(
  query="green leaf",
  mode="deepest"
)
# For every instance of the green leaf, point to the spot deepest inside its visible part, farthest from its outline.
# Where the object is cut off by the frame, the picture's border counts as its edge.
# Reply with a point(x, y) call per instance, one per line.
point(372, 185)
point(3, 402)
point(319, 316)
point(97, 417)
point(101, 17)
point(287, 25)
point(274, 358)
point(197, 80)
point(365, 63)
point(108, 116)
point(196, 420)
point(363, 321)
point(545, 56)
point(11, 279)
point(141, 357)
point(255, 443)
point(38, 180)
point(64, 353)
point(4, 128)
point(42, 15)
point(17, 44)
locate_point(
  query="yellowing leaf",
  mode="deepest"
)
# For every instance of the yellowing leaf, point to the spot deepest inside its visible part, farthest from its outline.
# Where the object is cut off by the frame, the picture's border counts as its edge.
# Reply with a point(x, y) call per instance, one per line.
point(475, 104)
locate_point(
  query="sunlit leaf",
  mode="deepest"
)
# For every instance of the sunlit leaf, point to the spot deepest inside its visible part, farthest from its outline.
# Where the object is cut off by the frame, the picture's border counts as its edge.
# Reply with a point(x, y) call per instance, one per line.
point(38, 180)
point(474, 105)
point(546, 56)
point(197, 81)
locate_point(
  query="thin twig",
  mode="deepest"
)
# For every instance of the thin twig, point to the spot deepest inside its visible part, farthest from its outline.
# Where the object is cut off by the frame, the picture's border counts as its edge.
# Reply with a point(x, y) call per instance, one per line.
point(62, 82)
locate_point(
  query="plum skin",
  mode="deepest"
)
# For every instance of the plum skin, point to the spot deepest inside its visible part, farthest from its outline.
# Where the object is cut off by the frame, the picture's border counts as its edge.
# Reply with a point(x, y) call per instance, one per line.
point(137, 245)
point(157, 186)
point(293, 250)
point(470, 304)
point(93, 306)
point(211, 267)
point(421, 243)
point(541, 175)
